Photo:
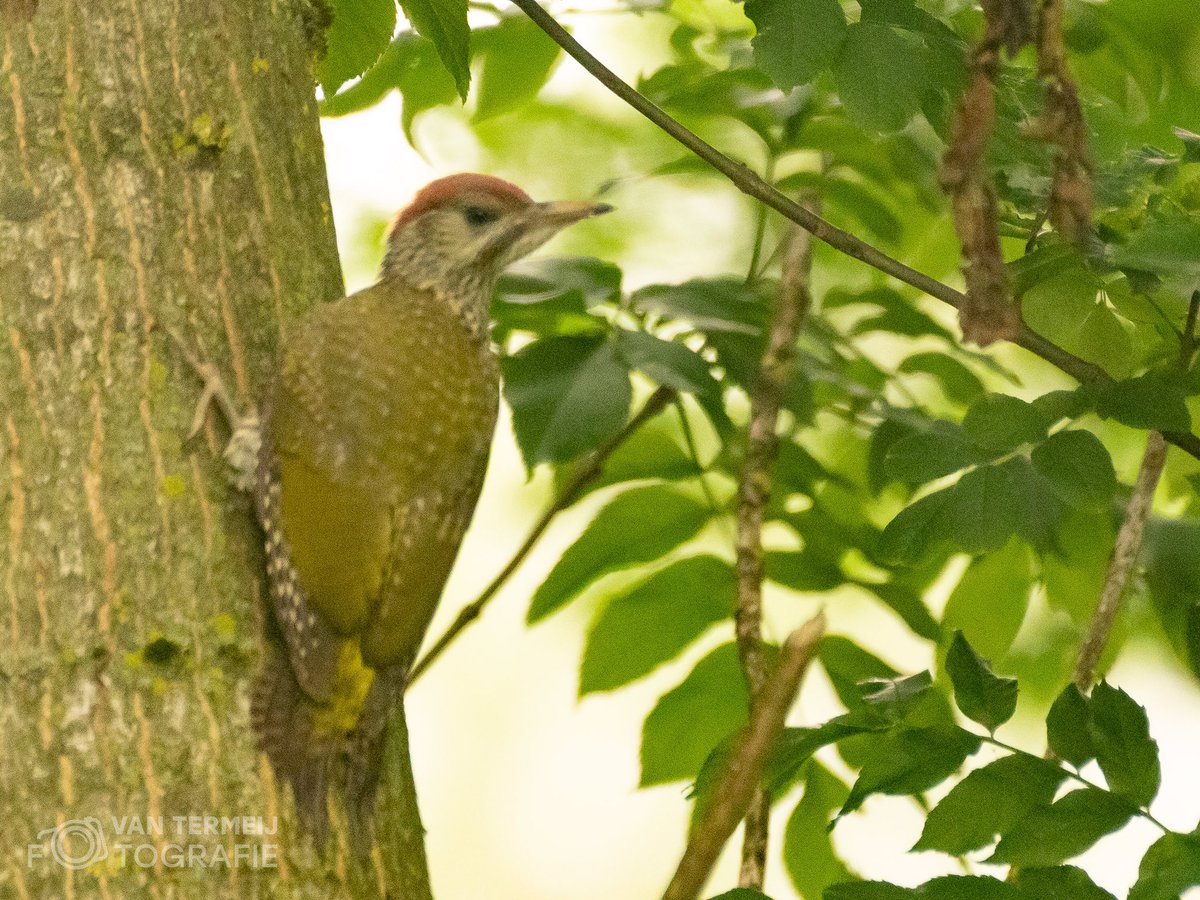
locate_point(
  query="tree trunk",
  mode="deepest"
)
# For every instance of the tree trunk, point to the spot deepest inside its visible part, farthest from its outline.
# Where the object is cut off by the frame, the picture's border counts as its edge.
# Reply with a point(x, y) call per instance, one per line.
point(160, 167)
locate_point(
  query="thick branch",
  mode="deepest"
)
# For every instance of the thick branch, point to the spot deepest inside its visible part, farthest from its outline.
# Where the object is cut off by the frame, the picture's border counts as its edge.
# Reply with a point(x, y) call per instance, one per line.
point(744, 775)
point(752, 185)
point(754, 491)
point(1120, 566)
point(656, 403)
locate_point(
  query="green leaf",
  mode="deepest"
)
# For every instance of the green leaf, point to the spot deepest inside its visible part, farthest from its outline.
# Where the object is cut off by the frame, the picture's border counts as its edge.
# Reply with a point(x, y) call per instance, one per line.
point(796, 38)
point(361, 30)
point(911, 761)
point(990, 600)
point(410, 65)
point(796, 747)
point(517, 60)
point(1041, 509)
point(982, 696)
point(1052, 834)
point(917, 530)
point(741, 894)
point(693, 718)
point(1068, 731)
point(988, 802)
point(1067, 310)
point(803, 570)
point(553, 296)
point(983, 513)
point(869, 890)
point(928, 455)
point(1074, 572)
point(848, 664)
point(652, 452)
point(711, 304)
point(638, 526)
point(1047, 261)
point(1170, 867)
point(1060, 881)
point(968, 887)
point(958, 382)
point(445, 23)
point(908, 605)
point(1164, 246)
point(999, 423)
point(808, 853)
point(896, 698)
point(1058, 405)
point(1155, 400)
point(671, 364)
point(568, 395)
point(534, 281)
point(882, 74)
point(1078, 467)
point(653, 621)
point(978, 515)
point(1127, 755)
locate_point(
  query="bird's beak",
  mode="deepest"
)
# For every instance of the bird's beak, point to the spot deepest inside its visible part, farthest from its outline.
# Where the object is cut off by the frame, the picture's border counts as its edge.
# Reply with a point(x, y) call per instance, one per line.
point(533, 226)
point(560, 213)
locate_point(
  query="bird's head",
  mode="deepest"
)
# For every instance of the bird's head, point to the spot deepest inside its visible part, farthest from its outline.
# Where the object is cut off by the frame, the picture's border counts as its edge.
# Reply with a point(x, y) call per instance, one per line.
point(460, 232)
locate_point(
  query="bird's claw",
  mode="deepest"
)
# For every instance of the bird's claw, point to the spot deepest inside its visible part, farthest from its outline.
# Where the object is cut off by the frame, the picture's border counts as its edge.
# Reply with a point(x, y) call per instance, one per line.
point(241, 453)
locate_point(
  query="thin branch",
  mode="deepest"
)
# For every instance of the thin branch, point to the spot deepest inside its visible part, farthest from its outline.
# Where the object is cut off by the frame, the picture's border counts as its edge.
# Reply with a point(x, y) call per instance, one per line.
point(655, 403)
point(754, 491)
point(743, 776)
point(1120, 565)
point(752, 185)
point(1187, 341)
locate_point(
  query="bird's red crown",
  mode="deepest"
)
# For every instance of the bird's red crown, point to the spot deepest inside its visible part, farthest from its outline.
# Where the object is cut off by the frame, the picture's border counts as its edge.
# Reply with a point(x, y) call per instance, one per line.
point(446, 190)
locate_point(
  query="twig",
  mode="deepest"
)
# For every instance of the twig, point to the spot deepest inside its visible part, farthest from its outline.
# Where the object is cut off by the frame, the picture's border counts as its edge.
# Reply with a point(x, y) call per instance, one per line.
point(754, 491)
point(655, 403)
point(1187, 341)
point(1120, 565)
point(733, 793)
point(752, 185)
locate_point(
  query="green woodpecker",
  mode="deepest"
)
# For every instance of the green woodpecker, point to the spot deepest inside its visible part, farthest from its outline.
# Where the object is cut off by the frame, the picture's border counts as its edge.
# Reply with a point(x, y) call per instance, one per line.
point(374, 445)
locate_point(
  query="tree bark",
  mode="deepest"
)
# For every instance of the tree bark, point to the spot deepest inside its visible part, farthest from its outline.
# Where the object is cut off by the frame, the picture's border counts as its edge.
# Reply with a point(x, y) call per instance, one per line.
point(160, 165)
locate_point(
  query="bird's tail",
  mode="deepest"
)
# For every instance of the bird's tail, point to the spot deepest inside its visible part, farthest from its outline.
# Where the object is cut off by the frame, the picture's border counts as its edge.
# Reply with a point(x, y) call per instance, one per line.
point(303, 738)
point(365, 753)
point(285, 722)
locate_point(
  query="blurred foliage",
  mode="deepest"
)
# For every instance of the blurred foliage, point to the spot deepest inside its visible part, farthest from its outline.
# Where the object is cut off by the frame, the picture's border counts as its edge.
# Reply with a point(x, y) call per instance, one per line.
point(911, 468)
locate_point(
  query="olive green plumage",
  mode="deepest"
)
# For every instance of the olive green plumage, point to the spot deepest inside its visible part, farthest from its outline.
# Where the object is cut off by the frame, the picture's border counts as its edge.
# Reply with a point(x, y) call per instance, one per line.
point(375, 441)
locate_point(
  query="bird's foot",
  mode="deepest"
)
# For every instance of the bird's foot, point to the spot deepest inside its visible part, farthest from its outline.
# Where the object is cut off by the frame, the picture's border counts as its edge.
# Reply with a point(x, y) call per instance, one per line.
point(241, 453)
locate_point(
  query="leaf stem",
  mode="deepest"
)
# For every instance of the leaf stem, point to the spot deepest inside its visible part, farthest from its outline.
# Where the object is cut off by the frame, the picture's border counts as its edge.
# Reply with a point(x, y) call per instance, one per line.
point(760, 225)
point(753, 186)
point(1074, 776)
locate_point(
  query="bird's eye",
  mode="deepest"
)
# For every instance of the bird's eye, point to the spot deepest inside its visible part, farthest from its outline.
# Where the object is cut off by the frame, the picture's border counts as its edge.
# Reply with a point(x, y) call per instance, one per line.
point(480, 215)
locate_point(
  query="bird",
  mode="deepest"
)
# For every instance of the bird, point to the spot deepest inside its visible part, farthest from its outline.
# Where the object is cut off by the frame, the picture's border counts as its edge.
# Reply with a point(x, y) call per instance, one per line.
point(374, 441)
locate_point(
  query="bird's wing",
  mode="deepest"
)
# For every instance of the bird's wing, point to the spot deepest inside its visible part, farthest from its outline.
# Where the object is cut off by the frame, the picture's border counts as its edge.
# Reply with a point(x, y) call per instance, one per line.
point(328, 551)
point(426, 535)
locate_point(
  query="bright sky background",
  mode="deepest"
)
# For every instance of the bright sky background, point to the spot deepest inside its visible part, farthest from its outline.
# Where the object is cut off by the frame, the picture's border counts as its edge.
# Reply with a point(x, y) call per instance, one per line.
point(529, 793)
